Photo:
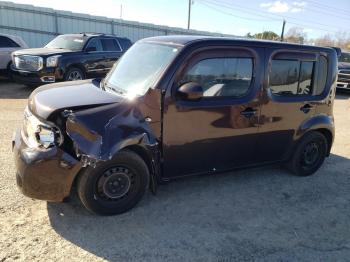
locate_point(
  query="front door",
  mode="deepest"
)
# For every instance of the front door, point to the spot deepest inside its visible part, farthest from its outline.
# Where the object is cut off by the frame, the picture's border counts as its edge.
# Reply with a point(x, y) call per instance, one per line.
point(219, 131)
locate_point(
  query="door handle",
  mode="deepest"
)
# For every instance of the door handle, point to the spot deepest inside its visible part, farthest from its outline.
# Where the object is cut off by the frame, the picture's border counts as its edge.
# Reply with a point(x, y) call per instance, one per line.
point(306, 108)
point(248, 112)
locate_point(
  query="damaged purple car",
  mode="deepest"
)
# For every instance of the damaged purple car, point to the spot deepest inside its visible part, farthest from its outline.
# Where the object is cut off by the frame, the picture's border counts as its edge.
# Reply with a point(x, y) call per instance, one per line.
point(176, 106)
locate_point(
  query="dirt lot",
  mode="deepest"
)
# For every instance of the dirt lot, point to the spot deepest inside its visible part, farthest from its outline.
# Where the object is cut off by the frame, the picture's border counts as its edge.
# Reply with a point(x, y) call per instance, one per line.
point(261, 214)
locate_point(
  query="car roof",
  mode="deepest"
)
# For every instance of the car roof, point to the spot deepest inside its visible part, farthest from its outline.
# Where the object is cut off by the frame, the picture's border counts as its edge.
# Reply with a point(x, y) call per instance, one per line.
point(185, 40)
point(89, 35)
point(10, 36)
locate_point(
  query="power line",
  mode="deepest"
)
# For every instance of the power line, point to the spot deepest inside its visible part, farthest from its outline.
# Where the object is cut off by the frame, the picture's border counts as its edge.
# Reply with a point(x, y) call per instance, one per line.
point(234, 15)
point(258, 12)
point(324, 10)
point(255, 13)
point(345, 11)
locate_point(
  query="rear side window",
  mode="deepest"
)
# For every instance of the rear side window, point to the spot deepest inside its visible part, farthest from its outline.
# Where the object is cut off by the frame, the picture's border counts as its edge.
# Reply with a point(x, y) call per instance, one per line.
point(291, 77)
point(222, 77)
point(110, 44)
point(7, 42)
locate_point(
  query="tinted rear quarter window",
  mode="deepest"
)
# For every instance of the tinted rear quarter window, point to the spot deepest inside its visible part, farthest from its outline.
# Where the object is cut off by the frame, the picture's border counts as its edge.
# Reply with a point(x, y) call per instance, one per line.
point(110, 44)
point(322, 74)
point(7, 42)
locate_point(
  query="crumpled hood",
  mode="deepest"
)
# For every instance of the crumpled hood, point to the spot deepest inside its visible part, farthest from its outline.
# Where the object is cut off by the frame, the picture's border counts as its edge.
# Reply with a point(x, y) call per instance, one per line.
point(68, 95)
point(42, 51)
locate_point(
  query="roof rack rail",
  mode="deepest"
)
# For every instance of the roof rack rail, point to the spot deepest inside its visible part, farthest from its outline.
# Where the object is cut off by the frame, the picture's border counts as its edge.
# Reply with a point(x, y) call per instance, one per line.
point(94, 33)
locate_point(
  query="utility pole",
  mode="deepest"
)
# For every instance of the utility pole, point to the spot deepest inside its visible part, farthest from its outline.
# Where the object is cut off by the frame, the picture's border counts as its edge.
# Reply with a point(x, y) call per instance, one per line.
point(282, 34)
point(121, 11)
point(189, 14)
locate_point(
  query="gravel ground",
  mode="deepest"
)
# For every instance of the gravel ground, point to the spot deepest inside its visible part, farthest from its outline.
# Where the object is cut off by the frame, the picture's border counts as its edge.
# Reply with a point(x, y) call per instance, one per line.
point(261, 214)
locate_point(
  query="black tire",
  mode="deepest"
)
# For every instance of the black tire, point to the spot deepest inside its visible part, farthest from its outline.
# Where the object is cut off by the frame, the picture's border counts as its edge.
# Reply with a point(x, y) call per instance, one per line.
point(73, 74)
point(309, 154)
point(95, 193)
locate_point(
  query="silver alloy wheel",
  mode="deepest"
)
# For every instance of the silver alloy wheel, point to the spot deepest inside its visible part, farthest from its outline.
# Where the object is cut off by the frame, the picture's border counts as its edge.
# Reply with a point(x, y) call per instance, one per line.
point(74, 75)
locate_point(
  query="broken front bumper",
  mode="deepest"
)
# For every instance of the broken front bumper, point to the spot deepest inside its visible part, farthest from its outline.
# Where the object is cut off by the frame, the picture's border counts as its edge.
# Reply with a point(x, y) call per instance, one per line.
point(43, 174)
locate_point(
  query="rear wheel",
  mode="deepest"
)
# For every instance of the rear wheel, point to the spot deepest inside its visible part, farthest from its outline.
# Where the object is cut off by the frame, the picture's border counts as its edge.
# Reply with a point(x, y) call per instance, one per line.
point(115, 186)
point(309, 155)
point(74, 74)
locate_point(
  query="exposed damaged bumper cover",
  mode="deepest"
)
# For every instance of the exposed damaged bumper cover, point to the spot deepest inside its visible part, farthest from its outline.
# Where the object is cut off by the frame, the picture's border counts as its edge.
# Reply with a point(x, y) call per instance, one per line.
point(43, 174)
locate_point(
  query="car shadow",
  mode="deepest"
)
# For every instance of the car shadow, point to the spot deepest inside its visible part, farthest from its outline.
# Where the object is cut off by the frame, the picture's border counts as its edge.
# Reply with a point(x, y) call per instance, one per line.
point(11, 90)
point(342, 95)
point(247, 214)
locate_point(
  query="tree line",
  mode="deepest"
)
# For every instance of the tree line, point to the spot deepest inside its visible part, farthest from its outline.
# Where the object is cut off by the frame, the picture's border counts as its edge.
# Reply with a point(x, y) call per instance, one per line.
point(298, 35)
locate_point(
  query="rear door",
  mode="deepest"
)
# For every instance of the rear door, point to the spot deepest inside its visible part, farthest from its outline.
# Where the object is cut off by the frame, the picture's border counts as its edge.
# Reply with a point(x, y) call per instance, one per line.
point(219, 131)
point(7, 46)
point(294, 80)
point(112, 52)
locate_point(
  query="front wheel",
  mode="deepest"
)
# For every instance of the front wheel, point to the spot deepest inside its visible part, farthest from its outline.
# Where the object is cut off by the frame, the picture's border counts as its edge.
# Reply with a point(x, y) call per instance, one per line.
point(309, 154)
point(115, 186)
point(74, 74)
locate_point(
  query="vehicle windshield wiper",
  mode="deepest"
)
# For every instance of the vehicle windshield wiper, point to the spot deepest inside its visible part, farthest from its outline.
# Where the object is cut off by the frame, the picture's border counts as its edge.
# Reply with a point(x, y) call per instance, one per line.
point(114, 89)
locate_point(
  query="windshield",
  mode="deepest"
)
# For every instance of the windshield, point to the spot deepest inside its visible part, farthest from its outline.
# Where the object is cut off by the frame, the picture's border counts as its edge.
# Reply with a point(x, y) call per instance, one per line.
point(344, 57)
point(139, 68)
point(67, 42)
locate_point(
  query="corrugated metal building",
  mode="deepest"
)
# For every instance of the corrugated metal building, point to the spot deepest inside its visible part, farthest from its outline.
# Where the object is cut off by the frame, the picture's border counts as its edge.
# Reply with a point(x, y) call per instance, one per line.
point(38, 25)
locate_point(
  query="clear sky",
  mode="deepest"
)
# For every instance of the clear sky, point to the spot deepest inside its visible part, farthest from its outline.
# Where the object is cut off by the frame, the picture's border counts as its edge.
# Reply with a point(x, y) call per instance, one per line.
point(237, 17)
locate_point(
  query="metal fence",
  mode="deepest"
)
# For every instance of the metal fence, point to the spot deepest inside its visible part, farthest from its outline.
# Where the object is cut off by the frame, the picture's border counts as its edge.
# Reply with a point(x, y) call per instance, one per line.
point(38, 25)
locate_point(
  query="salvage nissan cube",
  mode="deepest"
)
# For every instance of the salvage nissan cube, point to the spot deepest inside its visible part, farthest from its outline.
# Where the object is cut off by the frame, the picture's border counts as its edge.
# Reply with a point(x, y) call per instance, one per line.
point(175, 106)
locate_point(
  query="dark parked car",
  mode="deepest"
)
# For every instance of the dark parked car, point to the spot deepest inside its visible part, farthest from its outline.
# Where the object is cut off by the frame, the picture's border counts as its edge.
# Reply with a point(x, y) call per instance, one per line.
point(344, 71)
point(68, 57)
point(177, 106)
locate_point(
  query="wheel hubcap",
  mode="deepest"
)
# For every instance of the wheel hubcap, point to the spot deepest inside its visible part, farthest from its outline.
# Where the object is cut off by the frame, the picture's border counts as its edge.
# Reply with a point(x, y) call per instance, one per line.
point(75, 75)
point(311, 154)
point(115, 183)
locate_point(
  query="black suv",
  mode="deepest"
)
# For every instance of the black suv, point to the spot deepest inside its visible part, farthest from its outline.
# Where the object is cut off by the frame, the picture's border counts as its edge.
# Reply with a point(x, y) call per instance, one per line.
point(68, 57)
point(177, 106)
point(344, 71)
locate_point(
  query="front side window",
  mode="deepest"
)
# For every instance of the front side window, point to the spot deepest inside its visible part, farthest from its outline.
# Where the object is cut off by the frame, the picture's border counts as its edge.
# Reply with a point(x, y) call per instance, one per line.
point(291, 77)
point(7, 42)
point(95, 43)
point(221, 77)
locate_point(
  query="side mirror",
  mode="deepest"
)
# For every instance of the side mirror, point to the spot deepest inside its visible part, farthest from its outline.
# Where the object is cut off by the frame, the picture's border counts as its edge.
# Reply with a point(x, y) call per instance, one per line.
point(190, 91)
point(91, 49)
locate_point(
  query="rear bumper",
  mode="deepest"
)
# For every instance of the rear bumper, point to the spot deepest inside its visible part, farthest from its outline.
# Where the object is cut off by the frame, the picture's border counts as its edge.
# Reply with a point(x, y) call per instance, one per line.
point(43, 174)
point(44, 76)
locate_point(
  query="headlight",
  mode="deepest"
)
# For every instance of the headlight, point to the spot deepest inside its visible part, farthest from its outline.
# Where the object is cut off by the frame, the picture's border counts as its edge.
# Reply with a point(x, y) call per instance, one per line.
point(52, 61)
point(38, 133)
